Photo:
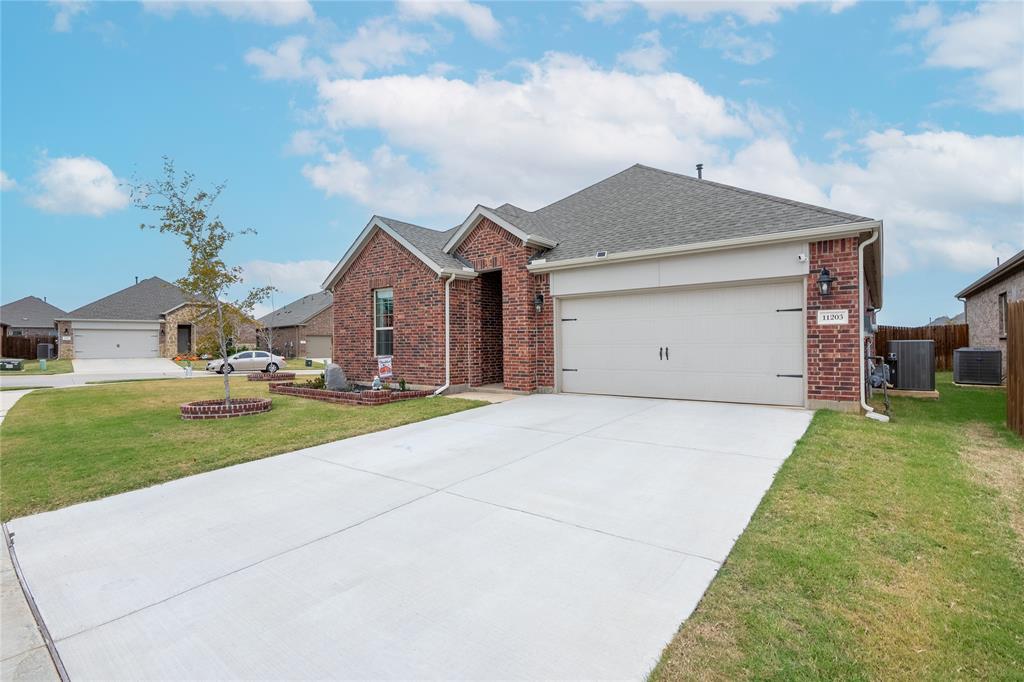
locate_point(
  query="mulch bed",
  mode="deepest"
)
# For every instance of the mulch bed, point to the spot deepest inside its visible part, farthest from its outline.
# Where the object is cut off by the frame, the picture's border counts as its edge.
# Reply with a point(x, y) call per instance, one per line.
point(366, 397)
point(216, 409)
point(270, 376)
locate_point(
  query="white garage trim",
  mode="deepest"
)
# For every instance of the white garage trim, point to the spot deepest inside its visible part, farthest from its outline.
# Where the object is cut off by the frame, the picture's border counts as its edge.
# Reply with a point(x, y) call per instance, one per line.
point(742, 342)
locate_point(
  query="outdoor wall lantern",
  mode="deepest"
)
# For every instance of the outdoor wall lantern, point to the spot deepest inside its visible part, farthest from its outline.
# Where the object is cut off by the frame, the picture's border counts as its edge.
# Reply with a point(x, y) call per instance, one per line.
point(825, 281)
point(538, 302)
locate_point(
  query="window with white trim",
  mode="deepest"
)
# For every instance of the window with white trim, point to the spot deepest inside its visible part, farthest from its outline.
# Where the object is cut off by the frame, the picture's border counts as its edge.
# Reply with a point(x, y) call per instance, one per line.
point(383, 321)
point(1002, 314)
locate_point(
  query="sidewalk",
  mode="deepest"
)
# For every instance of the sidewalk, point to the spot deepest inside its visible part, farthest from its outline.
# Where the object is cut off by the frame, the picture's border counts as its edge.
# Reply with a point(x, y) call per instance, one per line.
point(23, 655)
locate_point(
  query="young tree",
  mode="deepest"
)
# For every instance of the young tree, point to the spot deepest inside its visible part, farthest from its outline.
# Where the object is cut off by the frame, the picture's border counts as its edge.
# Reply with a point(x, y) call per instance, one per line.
point(185, 212)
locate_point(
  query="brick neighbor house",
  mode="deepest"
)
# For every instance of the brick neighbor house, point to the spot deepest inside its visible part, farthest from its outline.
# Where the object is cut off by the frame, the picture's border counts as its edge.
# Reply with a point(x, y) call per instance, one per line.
point(985, 303)
point(648, 283)
point(302, 328)
point(150, 319)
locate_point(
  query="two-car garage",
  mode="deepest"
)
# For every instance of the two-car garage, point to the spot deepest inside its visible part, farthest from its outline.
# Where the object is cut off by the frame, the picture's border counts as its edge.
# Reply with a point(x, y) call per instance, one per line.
point(116, 339)
point(719, 326)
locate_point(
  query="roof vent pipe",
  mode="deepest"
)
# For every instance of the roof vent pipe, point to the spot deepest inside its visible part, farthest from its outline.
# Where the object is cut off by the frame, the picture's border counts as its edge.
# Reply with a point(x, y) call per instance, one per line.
point(700, 171)
point(136, 279)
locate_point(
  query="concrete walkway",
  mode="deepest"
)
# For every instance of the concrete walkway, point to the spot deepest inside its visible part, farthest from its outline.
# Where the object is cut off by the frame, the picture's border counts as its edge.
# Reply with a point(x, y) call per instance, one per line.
point(7, 400)
point(23, 655)
point(547, 537)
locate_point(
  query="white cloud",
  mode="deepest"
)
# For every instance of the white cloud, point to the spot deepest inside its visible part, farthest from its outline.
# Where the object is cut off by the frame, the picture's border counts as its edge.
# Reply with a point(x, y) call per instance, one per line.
point(270, 12)
point(305, 143)
point(478, 19)
point(648, 56)
point(285, 62)
point(6, 182)
point(752, 12)
point(377, 45)
point(67, 10)
point(736, 46)
point(988, 40)
point(292, 279)
point(605, 11)
point(450, 143)
point(77, 184)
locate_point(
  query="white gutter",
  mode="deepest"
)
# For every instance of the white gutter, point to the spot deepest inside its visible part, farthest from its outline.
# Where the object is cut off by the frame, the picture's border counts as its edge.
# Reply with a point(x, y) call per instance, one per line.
point(869, 411)
point(447, 336)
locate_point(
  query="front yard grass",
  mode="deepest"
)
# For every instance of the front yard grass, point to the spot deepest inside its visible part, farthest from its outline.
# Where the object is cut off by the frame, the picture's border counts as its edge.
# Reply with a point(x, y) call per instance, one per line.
point(300, 363)
point(31, 367)
point(78, 444)
point(881, 551)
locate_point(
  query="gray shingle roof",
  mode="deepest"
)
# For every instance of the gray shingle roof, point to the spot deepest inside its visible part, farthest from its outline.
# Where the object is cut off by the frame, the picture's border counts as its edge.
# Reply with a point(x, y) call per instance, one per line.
point(647, 208)
point(1006, 268)
point(146, 300)
point(298, 312)
point(643, 208)
point(429, 242)
point(30, 311)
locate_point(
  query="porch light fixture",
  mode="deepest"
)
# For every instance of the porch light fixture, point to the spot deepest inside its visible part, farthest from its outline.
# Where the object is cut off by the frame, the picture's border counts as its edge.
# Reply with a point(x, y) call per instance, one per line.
point(538, 302)
point(825, 281)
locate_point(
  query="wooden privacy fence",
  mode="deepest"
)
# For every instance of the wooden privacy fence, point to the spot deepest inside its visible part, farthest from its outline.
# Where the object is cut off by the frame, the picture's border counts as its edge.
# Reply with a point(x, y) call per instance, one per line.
point(1015, 366)
point(947, 338)
point(24, 347)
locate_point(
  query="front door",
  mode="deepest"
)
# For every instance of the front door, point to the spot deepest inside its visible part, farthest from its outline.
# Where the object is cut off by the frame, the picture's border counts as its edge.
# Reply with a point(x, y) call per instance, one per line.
point(184, 338)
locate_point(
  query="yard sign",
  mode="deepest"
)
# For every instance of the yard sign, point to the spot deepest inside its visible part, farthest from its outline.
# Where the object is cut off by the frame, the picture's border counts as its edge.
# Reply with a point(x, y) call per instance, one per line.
point(384, 366)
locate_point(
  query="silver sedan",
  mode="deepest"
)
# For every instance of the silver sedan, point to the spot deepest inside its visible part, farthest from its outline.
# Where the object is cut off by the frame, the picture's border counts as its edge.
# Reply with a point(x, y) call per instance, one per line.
point(247, 361)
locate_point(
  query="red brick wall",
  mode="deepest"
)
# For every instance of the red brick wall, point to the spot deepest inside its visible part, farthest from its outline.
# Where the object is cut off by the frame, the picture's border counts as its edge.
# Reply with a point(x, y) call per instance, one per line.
point(419, 314)
point(526, 333)
point(833, 352)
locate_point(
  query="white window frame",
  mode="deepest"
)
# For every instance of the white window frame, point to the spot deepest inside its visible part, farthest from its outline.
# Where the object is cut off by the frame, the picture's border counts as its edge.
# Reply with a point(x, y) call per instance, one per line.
point(376, 296)
point(1002, 303)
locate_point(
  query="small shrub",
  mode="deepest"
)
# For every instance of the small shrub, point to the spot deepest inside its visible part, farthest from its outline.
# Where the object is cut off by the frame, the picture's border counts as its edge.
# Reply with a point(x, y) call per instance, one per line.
point(401, 384)
point(319, 381)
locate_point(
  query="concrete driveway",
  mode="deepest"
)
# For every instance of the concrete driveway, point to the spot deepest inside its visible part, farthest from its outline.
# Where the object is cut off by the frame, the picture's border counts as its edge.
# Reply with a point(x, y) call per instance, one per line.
point(553, 536)
point(126, 366)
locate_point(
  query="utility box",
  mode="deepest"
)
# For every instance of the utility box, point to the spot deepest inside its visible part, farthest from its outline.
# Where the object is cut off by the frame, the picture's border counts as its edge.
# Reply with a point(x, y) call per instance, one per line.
point(44, 351)
point(915, 364)
point(978, 366)
point(10, 365)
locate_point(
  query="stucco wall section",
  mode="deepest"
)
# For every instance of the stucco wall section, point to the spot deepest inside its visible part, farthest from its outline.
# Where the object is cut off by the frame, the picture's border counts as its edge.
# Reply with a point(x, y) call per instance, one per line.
point(983, 312)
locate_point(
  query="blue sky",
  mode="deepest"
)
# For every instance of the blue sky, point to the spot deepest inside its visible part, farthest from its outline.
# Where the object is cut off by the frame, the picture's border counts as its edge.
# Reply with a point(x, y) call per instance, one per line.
point(320, 115)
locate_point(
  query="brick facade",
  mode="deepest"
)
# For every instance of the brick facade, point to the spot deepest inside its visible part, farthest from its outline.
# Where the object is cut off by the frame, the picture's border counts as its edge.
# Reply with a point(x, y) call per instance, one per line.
point(418, 314)
point(497, 333)
point(833, 352)
point(525, 333)
point(982, 312)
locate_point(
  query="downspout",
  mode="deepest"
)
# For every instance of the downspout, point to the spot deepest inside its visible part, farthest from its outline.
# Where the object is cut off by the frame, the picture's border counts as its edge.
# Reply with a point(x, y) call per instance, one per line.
point(447, 336)
point(869, 411)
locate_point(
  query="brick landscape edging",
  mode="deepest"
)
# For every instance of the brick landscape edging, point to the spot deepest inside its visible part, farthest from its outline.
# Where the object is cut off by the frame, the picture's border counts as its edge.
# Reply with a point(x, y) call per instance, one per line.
point(270, 376)
point(381, 397)
point(216, 409)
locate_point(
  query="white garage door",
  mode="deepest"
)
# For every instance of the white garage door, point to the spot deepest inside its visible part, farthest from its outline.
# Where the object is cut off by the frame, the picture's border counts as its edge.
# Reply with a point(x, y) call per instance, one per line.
point(128, 341)
point(740, 344)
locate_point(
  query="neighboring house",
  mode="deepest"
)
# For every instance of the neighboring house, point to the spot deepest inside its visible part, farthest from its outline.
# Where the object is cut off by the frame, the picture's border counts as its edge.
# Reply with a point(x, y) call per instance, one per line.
point(29, 316)
point(943, 320)
point(648, 283)
point(985, 303)
point(152, 318)
point(302, 328)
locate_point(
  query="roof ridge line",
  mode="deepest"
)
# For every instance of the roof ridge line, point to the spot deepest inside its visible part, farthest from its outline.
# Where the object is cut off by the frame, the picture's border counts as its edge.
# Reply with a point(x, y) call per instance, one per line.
point(762, 195)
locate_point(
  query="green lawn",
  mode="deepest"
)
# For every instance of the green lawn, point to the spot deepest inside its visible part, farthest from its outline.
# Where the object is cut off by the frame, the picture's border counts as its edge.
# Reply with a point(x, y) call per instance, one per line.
point(32, 367)
point(881, 551)
point(77, 444)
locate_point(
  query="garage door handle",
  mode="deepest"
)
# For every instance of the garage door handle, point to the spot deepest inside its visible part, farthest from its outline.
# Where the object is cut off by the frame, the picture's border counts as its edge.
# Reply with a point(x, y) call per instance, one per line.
point(666, 352)
point(791, 376)
point(660, 351)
